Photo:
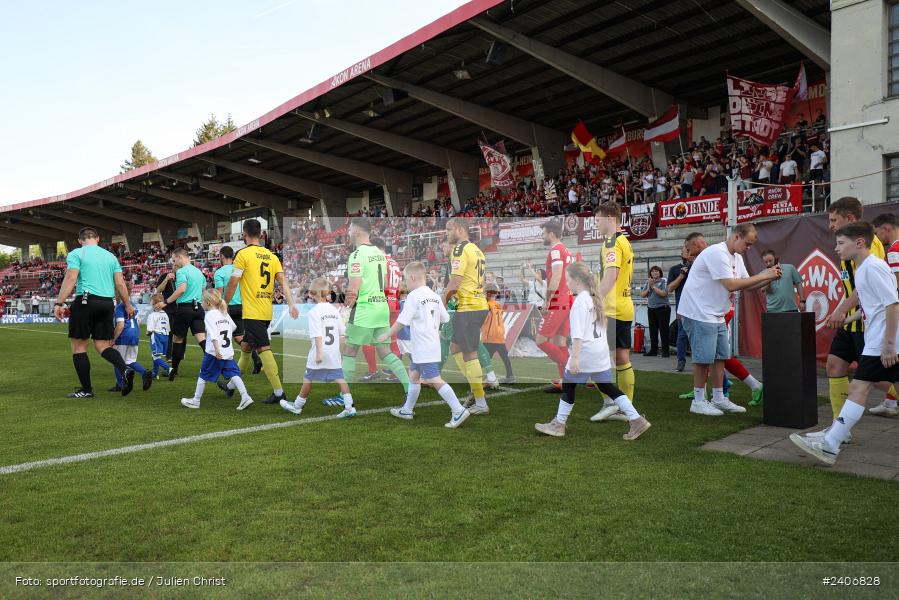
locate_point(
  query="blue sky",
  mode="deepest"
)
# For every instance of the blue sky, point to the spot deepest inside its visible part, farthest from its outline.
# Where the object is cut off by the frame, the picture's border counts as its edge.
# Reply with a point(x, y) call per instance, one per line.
point(83, 80)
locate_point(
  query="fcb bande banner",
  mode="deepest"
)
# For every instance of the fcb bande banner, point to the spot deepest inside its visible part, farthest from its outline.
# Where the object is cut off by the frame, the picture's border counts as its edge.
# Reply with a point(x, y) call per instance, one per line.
point(698, 209)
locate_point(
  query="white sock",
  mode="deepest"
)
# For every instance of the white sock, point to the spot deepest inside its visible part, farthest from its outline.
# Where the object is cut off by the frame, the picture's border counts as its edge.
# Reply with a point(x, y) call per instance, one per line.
point(699, 394)
point(839, 429)
point(230, 384)
point(627, 407)
point(890, 403)
point(279, 392)
point(449, 396)
point(412, 397)
point(238, 384)
point(564, 411)
point(480, 402)
point(606, 401)
point(201, 385)
point(718, 395)
point(753, 383)
point(491, 377)
point(347, 400)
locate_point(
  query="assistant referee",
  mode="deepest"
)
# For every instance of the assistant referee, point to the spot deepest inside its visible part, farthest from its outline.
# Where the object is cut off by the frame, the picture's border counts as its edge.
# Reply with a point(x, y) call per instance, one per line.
point(189, 314)
point(96, 277)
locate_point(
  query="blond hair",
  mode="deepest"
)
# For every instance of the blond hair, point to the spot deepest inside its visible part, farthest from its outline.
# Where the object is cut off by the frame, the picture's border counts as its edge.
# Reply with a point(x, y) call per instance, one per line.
point(581, 272)
point(213, 298)
point(156, 298)
point(319, 287)
point(415, 268)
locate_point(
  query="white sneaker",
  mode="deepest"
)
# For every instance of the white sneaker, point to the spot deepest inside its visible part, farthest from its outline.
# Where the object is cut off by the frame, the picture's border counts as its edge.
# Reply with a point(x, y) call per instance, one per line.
point(705, 407)
point(729, 407)
point(882, 410)
point(245, 402)
point(819, 435)
point(290, 407)
point(399, 413)
point(458, 419)
point(478, 410)
point(190, 403)
point(605, 412)
point(619, 416)
point(347, 413)
point(815, 447)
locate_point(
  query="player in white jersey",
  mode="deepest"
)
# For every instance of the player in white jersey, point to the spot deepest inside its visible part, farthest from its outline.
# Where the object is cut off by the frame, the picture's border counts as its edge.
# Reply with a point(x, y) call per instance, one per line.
point(589, 358)
point(218, 355)
point(158, 328)
point(424, 313)
point(879, 360)
point(324, 363)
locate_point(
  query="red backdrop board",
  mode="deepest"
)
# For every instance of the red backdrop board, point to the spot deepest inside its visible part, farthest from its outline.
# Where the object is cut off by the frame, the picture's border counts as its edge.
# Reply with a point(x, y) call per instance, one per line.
point(763, 202)
point(806, 243)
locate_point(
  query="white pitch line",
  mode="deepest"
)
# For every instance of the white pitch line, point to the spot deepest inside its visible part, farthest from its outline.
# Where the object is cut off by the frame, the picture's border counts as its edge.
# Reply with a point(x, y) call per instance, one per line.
point(75, 458)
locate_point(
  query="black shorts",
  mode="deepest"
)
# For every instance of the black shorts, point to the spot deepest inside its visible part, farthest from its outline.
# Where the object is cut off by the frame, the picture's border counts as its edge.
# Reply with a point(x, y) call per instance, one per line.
point(872, 370)
point(621, 330)
point(467, 329)
point(188, 315)
point(816, 175)
point(255, 333)
point(235, 311)
point(848, 345)
point(96, 319)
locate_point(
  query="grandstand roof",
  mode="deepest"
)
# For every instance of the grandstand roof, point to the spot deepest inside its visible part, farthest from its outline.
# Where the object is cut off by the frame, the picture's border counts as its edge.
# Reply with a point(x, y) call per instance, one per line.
point(680, 47)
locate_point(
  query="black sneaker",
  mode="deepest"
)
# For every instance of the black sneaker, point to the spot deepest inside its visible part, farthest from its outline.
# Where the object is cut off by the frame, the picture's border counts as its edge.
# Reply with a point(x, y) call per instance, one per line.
point(172, 374)
point(257, 368)
point(223, 385)
point(114, 388)
point(370, 377)
point(148, 380)
point(127, 382)
point(554, 388)
point(275, 398)
point(80, 394)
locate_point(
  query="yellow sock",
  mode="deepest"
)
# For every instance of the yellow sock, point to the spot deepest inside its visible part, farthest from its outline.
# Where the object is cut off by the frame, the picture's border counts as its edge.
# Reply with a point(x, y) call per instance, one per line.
point(891, 393)
point(839, 391)
point(245, 362)
point(626, 379)
point(460, 362)
point(270, 368)
point(475, 376)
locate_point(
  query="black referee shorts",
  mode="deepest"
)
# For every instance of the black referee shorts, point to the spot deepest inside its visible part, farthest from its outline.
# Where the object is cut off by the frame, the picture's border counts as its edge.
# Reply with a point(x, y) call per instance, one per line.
point(188, 315)
point(467, 329)
point(95, 319)
point(847, 345)
point(235, 311)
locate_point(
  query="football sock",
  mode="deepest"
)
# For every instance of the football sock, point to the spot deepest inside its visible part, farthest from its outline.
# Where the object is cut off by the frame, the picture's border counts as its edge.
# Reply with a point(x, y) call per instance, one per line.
point(699, 394)
point(839, 391)
point(736, 368)
point(486, 362)
point(563, 411)
point(752, 382)
point(839, 429)
point(627, 407)
point(114, 358)
point(178, 349)
point(726, 385)
point(449, 396)
point(83, 370)
point(349, 368)
point(270, 368)
point(718, 395)
point(557, 354)
point(118, 377)
point(394, 363)
point(472, 370)
point(891, 396)
point(348, 400)
point(230, 385)
point(137, 367)
point(626, 379)
point(245, 362)
point(201, 385)
point(890, 403)
point(411, 397)
point(238, 383)
point(300, 402)
point(159, 363)
point(370, 358)
point(568, 389)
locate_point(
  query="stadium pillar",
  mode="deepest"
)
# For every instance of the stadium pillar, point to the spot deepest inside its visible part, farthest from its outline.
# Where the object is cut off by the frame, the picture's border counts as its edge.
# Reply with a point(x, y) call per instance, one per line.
point(462, 188)
point(798, 30)
point(49, 251)
point(166, 237)
point(134, 237)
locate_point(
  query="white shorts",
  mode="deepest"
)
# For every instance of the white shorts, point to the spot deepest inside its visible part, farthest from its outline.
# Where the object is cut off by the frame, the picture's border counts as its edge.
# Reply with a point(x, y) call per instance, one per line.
point(129, 353)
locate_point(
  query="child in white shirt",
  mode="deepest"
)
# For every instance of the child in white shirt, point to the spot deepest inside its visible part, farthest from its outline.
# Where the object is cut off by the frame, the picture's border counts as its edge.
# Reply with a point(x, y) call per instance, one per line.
point(158, 328)
point(218, 358)
point(589, 358)
point(424, 313)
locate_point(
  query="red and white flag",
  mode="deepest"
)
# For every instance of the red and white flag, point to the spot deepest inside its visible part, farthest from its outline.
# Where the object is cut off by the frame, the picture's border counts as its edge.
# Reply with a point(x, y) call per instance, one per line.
point(666, 128)
point(498, 162)
point(620, 144)
point(800, 88)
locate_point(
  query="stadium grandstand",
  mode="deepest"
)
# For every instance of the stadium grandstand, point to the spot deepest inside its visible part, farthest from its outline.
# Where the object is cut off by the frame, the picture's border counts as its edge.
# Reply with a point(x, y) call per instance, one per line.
point(396, 134)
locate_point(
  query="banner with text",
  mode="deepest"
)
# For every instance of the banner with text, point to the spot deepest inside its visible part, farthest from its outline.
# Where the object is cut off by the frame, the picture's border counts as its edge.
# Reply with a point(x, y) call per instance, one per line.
point(757, 110)
point(638, 222)
point(529, 231)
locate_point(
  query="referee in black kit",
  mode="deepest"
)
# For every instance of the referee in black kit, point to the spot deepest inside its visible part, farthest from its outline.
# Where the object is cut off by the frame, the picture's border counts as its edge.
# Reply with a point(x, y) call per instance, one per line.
point(187, 298)
point(96, 277)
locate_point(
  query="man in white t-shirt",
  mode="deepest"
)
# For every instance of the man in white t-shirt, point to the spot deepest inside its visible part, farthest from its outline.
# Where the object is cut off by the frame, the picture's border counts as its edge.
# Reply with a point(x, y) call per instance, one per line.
point(424, 313)
point(788, 170)
point(879, 361)
point(817, 160)
point(717, 273)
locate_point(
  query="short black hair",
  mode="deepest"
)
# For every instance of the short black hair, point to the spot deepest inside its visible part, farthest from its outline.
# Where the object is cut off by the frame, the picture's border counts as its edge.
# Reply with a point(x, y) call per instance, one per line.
point(363, 223)
point(252, 228)
point(554, 226)
point(846, 206)
point(86, 233)
point(885, 219)
point(693, 236)
point(769, 252)
point(181, 252)
point(376, 241)
point(857, 229)
point(227, 252)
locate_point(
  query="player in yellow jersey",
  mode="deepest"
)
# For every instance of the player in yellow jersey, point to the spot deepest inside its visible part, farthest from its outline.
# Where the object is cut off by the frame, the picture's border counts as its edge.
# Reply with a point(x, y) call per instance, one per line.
point(257, 269)
point(616, 274)
point(849, 341)
point(467, 269)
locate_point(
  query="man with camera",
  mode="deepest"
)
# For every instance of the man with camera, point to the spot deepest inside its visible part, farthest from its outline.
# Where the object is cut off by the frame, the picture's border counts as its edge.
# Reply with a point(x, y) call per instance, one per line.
point(780, 294)
point(677, 278)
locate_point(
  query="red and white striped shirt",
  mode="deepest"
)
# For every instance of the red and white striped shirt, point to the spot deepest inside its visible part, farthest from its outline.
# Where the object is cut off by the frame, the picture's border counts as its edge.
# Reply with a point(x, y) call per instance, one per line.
point(394, 279)
point(893, 257)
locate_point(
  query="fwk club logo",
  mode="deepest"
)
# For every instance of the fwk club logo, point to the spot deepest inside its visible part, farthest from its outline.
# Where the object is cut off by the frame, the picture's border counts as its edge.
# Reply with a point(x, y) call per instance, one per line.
point(822, 284)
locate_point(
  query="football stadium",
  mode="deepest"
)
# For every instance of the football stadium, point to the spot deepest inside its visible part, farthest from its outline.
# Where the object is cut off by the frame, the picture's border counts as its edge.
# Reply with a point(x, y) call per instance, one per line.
point(548, 298)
